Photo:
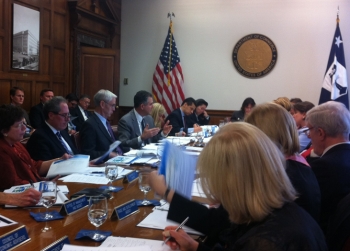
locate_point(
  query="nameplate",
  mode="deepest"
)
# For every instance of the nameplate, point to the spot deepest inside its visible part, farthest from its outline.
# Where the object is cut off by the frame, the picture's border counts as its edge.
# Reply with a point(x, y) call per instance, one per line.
point(57, 245)
point(74, 205)
point(125, 210)
point(14, 238)
point(130, 177)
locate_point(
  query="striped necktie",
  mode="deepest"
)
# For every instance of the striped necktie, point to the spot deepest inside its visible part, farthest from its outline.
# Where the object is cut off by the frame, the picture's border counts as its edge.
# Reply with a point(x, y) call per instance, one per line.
point(59, 136)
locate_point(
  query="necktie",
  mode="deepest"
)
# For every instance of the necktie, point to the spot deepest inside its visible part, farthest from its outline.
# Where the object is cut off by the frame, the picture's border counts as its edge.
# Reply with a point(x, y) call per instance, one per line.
point(58, 134)
point(118, 150)
point(86, 113)
point(142, 129)
point(185, 124)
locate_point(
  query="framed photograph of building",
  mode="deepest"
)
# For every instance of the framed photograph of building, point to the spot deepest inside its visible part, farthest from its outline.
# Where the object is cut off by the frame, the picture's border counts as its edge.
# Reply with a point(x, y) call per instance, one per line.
point(25, 38)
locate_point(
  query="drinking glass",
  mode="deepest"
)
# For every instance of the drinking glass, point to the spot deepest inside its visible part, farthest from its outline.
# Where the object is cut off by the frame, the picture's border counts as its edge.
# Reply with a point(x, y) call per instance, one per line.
point(221, 124)
point(98, 212)
point(111, 173)
point(160, 150)
point(199, 137)
point(144, 186)
point(48, 191)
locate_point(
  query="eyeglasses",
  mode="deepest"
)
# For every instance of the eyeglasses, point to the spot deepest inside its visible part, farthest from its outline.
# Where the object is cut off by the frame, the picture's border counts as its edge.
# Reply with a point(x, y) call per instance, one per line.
point(64, 115)
point(307, 130)
point(111, 105)
point(20, 125)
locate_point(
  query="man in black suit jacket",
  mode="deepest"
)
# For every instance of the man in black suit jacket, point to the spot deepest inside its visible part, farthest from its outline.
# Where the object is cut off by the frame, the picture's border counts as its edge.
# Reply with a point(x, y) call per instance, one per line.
point(199, 116)
point(95, 135)
point(45, 143)
point(36, 114)
point(137, 128)
point(80, 111)
point(329, 128)
point(178, 118)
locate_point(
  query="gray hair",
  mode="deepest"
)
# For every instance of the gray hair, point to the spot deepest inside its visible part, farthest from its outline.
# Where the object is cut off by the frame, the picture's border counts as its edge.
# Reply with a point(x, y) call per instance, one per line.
point(103, 95)
point(333, 117)
point(53, 105)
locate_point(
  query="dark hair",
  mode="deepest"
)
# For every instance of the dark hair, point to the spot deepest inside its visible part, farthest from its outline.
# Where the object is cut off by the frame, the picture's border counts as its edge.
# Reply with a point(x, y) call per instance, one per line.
point(141, 97)
point(14, 89)
point(189, 101)
point(303, 106)
point(295, 100)
point(247, 102)
point(201, 102)
point(45, 90)
point(9, 114)
point(84, 96)
point(53, 105)
point(72, 97)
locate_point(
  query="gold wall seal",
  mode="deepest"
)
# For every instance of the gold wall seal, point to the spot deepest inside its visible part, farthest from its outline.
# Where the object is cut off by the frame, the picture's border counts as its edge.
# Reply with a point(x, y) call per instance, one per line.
point(254, 56)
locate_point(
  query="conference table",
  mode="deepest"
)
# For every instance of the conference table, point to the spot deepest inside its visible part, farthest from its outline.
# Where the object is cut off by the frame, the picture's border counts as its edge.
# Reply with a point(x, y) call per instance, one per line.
point(70, 225)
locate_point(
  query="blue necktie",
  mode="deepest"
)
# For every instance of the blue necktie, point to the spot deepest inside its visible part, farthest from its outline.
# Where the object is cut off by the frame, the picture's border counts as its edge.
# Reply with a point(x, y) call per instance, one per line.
point(58, 134)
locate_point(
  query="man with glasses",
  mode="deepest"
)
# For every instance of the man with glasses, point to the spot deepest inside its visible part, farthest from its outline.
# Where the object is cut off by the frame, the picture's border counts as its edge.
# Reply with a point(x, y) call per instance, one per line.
point(96, 134)
point(52, 140)
point(81, 111)
point(137, 128)
point(36, 114)
point(329, 129)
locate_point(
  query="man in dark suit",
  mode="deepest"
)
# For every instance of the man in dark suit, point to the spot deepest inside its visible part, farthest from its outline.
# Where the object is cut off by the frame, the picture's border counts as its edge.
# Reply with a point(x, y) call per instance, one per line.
point(329, 128)
point(81, 111)
point(200, 115)
point(96, 134)
point(178, 118)
point(51, 140)
point(137, 128)
point(36, 114)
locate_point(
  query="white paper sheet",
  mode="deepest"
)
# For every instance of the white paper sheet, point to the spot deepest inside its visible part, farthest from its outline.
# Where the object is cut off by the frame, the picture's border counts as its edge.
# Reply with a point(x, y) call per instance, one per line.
point(76, 164)
point(4, 221)
point(158, 220)
point(86, 178)
point(197, 189)
point(119, 242)
point(68, 247)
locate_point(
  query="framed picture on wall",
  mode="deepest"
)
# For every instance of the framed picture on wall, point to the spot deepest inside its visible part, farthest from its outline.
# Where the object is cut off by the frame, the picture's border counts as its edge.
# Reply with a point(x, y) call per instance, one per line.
point(25, 38)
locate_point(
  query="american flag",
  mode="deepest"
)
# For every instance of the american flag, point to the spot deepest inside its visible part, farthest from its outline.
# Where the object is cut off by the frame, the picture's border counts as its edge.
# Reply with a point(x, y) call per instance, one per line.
point(168, 81)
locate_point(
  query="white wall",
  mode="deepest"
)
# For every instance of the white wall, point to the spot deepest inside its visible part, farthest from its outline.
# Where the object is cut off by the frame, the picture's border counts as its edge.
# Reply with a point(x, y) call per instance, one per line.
point(205, 33)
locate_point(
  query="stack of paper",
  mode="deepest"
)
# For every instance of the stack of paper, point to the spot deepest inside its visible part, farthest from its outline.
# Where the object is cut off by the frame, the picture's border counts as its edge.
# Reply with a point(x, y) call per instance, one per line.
point(76, 164)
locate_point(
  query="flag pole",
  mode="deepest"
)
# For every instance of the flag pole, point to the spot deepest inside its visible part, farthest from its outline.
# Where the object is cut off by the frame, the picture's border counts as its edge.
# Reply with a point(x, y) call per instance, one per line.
point(338, 15)
point(171, 44)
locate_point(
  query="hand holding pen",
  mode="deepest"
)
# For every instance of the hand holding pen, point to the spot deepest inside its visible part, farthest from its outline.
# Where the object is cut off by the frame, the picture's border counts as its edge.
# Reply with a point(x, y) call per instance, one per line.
point(176, 238)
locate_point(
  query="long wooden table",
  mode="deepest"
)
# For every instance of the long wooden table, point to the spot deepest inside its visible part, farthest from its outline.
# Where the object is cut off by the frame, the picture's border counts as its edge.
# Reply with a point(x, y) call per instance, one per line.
point(72, 224)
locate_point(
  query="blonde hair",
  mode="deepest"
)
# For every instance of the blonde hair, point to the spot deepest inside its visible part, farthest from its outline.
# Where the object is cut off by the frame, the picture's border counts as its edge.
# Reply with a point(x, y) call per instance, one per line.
point(279, 126)
point(157, 111)
point(284, 102)
point(243, 170)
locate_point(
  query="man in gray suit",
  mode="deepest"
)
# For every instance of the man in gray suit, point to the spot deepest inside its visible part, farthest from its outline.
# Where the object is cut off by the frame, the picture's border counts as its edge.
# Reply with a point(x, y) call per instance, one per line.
point(136, 128)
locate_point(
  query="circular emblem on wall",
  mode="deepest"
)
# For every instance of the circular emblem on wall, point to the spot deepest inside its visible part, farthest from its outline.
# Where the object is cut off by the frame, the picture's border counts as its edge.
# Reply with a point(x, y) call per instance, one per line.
point(254, 56)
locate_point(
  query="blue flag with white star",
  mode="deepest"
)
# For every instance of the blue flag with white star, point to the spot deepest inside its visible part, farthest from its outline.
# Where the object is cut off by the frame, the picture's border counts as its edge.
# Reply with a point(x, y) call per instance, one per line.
point(335, 84)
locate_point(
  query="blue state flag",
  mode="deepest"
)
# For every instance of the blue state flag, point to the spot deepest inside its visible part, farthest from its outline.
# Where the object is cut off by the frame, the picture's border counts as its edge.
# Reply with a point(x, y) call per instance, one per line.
point(335, 84)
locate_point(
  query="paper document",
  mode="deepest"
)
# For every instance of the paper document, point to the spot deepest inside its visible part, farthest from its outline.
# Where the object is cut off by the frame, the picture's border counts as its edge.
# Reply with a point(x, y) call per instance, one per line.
point(61, 198)
point(4, 221)
point(197, 189)
point(142, 153)
point(121, 160)
point(158, 220)
point(120, 242)
point(68, 247)
point(86, 178)
point(76, 164)
point(113, 146)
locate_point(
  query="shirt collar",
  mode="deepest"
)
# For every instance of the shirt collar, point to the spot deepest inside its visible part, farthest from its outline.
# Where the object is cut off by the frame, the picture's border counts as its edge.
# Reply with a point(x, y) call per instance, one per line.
point(328, 148)
point(138, 116)
point(103, 119)
point(52, 128)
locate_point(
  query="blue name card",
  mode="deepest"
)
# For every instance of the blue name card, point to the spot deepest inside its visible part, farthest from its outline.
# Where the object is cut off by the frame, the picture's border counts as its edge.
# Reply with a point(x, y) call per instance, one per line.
point(57, 245)
point(125, 210)
point(130, 177)
point(74, 205)
point(14, 238)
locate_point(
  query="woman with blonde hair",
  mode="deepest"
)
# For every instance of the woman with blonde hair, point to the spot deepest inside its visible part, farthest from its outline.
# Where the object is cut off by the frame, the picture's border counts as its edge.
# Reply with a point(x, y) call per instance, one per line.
point(158, 114)
point(284, 102)
point(283, 132)
point(242, 170)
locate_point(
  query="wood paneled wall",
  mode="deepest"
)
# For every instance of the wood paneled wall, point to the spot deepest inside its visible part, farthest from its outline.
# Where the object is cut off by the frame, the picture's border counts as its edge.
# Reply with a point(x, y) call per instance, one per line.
point(54, 61)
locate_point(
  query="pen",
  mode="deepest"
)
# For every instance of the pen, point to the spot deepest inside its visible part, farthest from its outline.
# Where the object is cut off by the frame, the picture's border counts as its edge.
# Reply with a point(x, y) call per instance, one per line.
point(31, 183)
point(177, 229)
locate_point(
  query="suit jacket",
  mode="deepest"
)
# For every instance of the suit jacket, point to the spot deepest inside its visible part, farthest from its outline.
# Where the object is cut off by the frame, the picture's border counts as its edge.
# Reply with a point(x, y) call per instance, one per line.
point(94, 137)
point(332, 171)
point(17, 167)
point(128, 131)
point(79, 120)
point(237, 116)
point(44, 144)
point(36, 115)
point(175, 119)
point(200, 120)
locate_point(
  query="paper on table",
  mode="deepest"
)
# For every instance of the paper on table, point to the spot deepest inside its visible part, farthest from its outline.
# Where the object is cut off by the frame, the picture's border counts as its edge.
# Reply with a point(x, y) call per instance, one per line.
point(76, 164)
point(86, 178)
point(113, 146)
point(154, 245)
point(197, 189)
point(194, 148)
point(158, 220)
point(4, 221)
point(68, 247)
